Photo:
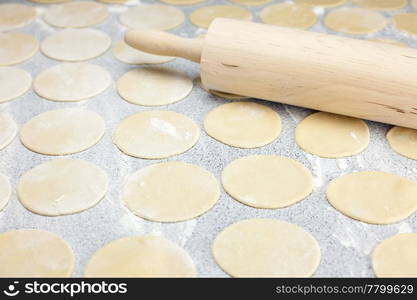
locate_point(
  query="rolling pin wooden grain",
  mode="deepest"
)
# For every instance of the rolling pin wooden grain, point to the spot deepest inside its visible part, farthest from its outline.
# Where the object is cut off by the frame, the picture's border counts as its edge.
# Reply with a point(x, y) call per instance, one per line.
point(330, 73)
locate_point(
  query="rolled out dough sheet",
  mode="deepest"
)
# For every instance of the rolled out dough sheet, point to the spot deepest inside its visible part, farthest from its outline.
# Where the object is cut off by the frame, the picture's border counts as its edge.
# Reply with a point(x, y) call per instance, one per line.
point(381, 4)
point(8, 130)
point(34, 253)
point(203, 16)
point(403, 141)
point(14, 82)
point(288, 15)
point(130, 55)
point(321, 3)
point(14, 16)
point(141, 256)
point(16, 47)
point(266, 248)
point(406, 22)
point(251, 2)
point(5, 191)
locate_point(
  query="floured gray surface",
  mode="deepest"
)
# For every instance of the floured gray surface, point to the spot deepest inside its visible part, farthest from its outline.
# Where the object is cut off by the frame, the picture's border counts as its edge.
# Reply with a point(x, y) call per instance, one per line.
point(345, 244)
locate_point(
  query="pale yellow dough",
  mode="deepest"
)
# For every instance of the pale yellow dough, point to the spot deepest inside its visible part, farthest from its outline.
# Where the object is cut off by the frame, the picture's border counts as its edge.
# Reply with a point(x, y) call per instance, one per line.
point(62, 131)
point(154, 16)
point(288, 15)
point(14, 82)
point(329, 135)
point(49, 1)
point(34, 253)
point(373, 197)
point(406, 22)
point(114, 1)
point(156, 134)
point(129, 55)
point(141, 256)
point(403, 141)
point(266, 248)
point(8, 130)
point(251, 2)
point(62, 187)
point(170, 192)
point(76, 14)
point(5, 191)
point(381, 4)
point(389, 42)
point(182, 2)
point(221, 94)
point(321, 3)
point(353, 20)
point(16, 47)
point(154, 86)
point(14, 16)
point(203, 16)
point(243, 124)
point(71, 82)
point(414, 4)
point(75, 44)
point(396, 256)
point(267, 181)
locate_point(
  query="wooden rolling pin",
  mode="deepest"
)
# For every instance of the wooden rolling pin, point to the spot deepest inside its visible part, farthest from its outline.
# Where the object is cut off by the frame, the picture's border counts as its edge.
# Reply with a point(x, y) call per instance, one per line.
point(330, 73)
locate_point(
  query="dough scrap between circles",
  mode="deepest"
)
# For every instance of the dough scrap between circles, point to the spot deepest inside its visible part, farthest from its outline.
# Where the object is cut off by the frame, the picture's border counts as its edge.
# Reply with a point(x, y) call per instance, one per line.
point(62, 131)
point(288, 15)
point(266, 248)
point(5, 191)
point(14, 16)
point(71, 82)
point(156, 134)
point(16, 47)
point(182, 2)
point(141, 256)
point(332, 136)
point(396, 256)
point(76, 14)
point(243, 124)
point(251, 2)
point(130, 55)
point(154, 86)
point(406, 22)
point(203, 16)
point(373, 197)
point(75, 44)
point(14, 83)
point(381, 4)
point(267, 181)
point(8, 130)
point(354, 20)
point(62, 187)
point(321, 3)
point(389, 42)
point(34, 253)
point(403, 141)
point(152, 16)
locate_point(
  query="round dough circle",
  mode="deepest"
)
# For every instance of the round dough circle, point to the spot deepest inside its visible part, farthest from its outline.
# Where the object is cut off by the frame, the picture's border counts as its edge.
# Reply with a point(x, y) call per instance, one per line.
point(221, 94)
point(266, 248)
point(406, 22)
point(8, 130)
point(403, 141)
point(353, 20)
point(34, 253)
point(5, 191)
point(156, 134)
point(396, 256)
point(373, 197)
point(321, 3)
point(381, 4)
point(129, 55)
point(330, 135)
point(62, 131)
point(170, 192)
point(14, 83)
point(153, 16)
point(141, 256)
point(14, 16)
point(71, 82)
point(182, 2)
point(203, 16)
point(75, 44)
point(243, 124)
point(389, 42)
point(288, 15)
point(76, 14)
point(154, 86)
point(251, 2)
point(62, 187)
point(16, 47)
point(267, 181)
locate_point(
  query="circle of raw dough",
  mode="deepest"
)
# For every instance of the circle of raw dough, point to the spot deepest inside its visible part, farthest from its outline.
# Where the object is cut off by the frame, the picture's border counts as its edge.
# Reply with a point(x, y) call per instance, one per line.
point(75, 44)
point(267, 181)
point(406, 22)
point(288, 15)
point(170, 192)
point(403, 141)
point(141, 256)
point(14, 83)
point(396, 256)
point(8, 130)
point(5, 191)
point(266, 248)
point(62, 131)
point(156, 134)
point(381, 4)
point(330, 135)
point(34, 253)
point(62, 187)
point(353, 20)
point(221, 94)
point(129, 55)
point(243, 124)
point(322, 3)
point(203, 16)
point(251, 2)
point(153, 16)
point(182, 2)
point(71, 82)
point(373, 197)
point(14, 16)
point(389, 42)
point(154, 86)
point(76, 14)
point(16, 47)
